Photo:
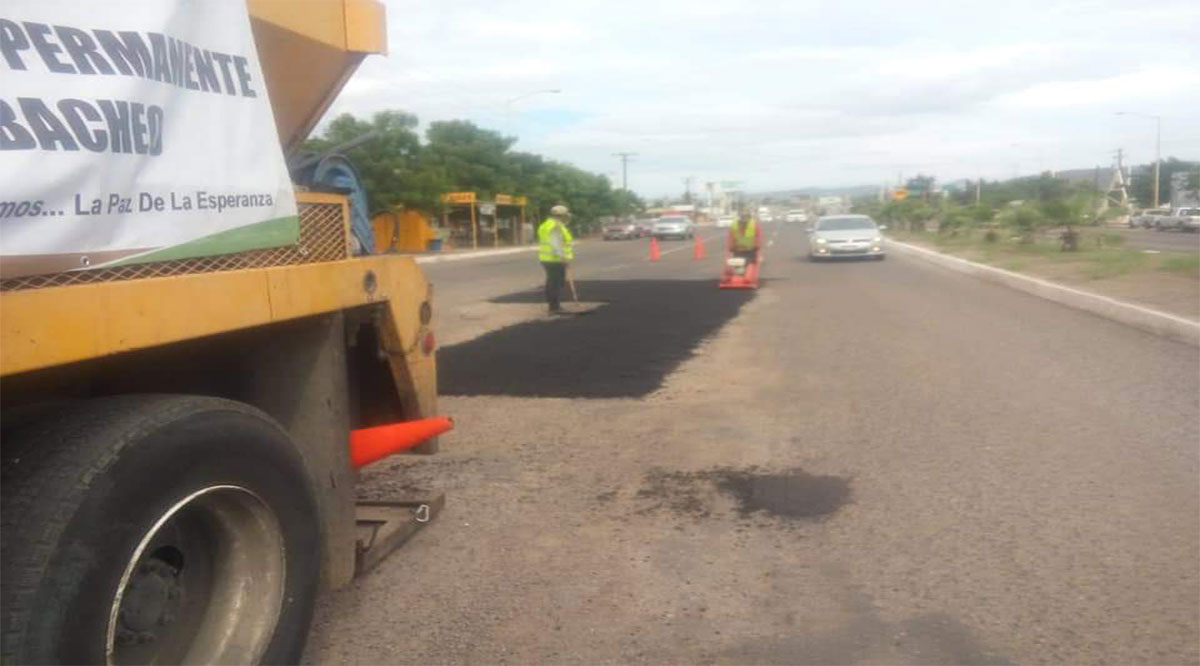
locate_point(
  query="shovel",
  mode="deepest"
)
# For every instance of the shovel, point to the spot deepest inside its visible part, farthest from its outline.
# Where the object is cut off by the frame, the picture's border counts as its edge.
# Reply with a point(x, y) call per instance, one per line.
point(571, 284)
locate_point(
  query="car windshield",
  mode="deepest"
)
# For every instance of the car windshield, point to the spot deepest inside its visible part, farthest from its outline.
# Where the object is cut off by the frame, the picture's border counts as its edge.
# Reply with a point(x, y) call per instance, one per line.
point(845, 224)
point(672, 220)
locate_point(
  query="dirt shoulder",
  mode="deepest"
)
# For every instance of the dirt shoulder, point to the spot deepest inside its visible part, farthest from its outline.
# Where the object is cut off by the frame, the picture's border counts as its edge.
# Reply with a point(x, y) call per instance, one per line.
point(1166, 281)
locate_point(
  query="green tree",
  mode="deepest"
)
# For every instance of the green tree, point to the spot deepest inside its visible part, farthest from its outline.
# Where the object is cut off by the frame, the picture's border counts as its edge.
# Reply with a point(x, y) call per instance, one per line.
point(1141, 189)
point(472, 159)
point(398, 169)
point(627, 203)
point(390, 164)
point(1024, 220)
point(981, 213)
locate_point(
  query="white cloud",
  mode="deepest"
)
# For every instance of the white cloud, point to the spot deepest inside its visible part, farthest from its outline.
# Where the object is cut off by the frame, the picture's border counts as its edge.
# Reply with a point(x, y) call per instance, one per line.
point(1142, 85)
point(797, 93)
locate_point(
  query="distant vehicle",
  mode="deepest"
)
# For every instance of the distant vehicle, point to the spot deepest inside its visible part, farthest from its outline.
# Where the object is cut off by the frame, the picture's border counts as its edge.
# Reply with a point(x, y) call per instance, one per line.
point(645, 226)
point(845, 236)
point(725, 221)
point(1182, 219)
point(622, 231)
point(1189, 219)
point(1147, 218)
point(797, 216)
point(674, 227)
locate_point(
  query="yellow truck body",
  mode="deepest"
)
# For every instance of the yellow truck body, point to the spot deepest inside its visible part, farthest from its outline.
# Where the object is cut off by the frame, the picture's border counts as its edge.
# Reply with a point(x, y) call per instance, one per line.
point(304, 341)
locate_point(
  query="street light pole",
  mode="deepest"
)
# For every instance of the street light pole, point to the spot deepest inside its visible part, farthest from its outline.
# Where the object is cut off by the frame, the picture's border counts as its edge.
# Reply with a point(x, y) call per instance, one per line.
point(1157, 146)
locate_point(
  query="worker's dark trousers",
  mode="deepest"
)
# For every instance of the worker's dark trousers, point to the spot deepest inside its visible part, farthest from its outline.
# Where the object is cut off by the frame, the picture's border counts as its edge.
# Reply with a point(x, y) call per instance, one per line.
point(556, 275)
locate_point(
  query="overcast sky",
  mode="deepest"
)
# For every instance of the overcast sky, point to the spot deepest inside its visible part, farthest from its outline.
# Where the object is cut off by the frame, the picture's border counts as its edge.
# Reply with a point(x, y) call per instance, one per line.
point(794, 94)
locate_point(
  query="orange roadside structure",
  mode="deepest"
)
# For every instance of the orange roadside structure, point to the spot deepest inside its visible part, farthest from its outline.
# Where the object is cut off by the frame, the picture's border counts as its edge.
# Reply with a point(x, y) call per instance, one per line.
point(402, 231)
point(484, 219)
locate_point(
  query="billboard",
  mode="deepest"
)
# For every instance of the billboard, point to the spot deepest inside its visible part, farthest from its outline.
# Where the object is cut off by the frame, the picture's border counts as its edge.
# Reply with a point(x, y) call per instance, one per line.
point(134, 131)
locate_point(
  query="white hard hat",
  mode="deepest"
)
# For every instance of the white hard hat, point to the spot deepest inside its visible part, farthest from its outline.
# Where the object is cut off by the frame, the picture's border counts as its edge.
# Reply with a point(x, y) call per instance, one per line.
point(560, 211)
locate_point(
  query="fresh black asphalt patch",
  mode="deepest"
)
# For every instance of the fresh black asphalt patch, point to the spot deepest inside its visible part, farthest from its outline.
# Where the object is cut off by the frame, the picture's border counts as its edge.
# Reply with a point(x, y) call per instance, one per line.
point(624, 350)
point(790, 494)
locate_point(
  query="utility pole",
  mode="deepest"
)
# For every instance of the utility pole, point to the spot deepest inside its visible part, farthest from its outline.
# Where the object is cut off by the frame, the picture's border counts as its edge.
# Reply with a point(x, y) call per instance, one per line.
point(1157, 155)
point(1116, 182)
point(978, 189)
point(687, 189)
point(1157, 145)
point(624, 168)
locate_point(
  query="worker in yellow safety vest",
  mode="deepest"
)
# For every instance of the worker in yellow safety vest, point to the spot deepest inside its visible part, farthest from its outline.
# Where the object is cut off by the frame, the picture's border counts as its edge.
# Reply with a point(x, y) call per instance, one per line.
point(555, 251)
point(745, 238)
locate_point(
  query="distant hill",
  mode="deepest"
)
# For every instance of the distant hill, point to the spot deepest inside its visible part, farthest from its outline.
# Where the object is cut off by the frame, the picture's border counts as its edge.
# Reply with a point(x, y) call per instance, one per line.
point(850, 191)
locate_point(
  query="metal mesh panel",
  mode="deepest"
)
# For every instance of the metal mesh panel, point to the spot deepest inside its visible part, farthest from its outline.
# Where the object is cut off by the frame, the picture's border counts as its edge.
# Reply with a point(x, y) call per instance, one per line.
point(322, 238)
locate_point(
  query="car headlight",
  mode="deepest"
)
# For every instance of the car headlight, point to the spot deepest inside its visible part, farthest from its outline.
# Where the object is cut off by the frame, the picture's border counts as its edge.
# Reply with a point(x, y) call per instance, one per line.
point(821, 241)
point(878, 240)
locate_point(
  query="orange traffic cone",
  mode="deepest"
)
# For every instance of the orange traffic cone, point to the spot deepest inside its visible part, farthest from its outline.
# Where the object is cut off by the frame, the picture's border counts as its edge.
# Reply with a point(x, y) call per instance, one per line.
point(698, 253)
point(653, 248)
point(370, 444)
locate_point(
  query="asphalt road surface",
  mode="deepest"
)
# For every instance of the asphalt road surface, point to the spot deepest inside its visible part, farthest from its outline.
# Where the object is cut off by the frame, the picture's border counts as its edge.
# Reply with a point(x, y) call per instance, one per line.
point(1160, 241)
point(862, 462)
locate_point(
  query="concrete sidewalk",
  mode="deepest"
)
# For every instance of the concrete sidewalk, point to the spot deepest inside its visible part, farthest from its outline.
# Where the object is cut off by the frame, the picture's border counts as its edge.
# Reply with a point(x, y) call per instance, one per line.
point(459, 255)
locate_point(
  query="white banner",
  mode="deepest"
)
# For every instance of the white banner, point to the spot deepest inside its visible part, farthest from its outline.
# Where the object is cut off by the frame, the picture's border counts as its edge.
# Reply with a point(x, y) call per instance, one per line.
point(134, 130)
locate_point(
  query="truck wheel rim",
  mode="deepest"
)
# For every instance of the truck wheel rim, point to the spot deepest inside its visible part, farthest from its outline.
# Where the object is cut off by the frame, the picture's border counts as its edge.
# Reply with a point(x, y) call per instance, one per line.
point(204, 585)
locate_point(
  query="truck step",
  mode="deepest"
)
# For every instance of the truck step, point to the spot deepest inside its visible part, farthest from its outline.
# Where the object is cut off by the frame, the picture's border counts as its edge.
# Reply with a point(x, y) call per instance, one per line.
point(384, 526)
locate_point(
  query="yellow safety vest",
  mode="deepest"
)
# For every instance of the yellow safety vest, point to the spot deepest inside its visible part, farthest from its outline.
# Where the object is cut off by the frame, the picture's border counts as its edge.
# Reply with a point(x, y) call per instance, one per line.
point(746, 239)
point(555, 244)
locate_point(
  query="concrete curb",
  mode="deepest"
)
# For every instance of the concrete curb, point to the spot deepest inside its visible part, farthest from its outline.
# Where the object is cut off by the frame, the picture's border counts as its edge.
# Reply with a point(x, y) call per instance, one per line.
point(480, 254)
point(1154, 321)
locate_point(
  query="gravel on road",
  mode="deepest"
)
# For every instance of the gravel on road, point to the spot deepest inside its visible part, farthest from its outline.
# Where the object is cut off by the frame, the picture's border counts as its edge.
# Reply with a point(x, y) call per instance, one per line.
point(865, 462)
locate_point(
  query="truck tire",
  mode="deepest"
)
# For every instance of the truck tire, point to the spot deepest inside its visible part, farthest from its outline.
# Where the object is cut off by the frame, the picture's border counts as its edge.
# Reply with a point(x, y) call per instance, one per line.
point(155, 529)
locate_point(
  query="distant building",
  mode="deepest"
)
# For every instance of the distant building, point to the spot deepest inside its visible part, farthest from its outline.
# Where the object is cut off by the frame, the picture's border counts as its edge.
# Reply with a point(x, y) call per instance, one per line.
point(1182, 195)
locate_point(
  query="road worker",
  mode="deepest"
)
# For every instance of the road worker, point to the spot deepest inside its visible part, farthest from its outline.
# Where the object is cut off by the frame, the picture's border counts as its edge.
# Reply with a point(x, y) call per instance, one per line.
point(745, 238)
point(555, 251)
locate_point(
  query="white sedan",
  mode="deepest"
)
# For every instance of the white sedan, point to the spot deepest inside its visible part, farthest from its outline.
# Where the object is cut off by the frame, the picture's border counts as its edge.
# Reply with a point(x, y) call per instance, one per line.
point(845, 236)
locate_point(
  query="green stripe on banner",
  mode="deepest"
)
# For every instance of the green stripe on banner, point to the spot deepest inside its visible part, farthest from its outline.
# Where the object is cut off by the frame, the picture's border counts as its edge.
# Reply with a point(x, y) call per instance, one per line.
point(268, 233)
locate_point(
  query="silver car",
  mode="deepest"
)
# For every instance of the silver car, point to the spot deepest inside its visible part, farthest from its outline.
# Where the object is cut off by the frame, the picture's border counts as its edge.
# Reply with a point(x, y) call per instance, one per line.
point(845, 236)
point(674, 227)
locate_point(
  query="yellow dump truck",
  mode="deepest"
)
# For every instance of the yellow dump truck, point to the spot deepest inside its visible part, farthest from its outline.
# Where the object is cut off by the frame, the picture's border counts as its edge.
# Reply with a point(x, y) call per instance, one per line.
point(177, 482)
